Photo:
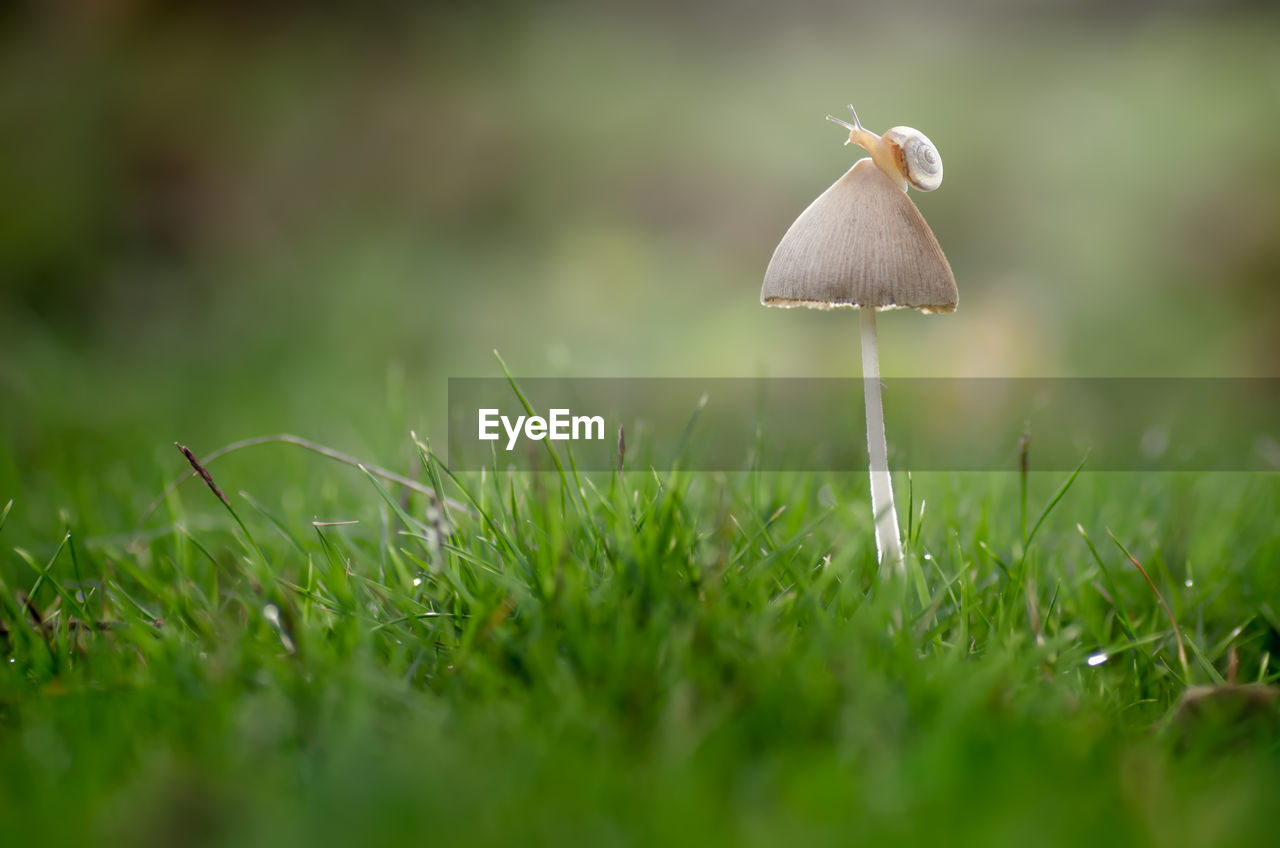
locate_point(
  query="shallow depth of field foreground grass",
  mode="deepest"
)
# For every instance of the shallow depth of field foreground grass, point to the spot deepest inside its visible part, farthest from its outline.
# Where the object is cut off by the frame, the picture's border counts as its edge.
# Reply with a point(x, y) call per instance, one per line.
point(657, 658)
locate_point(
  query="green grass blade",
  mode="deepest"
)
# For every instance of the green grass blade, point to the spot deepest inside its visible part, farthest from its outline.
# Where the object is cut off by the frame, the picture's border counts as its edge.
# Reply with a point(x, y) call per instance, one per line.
point(1053, 502)
point(576, 496)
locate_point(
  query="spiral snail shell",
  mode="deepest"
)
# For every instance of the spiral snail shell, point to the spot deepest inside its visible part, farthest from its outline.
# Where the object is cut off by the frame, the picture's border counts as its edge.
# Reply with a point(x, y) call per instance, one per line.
point(916, 157)
point(906, 155)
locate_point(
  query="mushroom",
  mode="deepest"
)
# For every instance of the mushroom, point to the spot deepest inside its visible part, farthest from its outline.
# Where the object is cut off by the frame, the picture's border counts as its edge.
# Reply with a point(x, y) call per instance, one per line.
point(864, 245)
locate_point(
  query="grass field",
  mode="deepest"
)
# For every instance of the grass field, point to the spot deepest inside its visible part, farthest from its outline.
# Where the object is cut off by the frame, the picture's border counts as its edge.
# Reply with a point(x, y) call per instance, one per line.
point(653, 658)
point(238, 219)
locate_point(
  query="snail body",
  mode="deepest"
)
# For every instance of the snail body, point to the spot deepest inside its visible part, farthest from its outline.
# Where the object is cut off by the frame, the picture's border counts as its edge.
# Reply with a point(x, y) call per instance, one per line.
point(905, 155)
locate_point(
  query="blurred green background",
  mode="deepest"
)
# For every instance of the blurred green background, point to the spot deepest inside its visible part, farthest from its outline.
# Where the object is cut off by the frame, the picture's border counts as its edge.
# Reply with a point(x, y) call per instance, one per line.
point(221, 220)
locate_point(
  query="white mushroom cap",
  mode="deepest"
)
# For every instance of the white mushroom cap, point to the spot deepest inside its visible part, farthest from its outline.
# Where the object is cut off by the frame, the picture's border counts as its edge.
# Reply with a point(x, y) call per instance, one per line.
point(862, 243)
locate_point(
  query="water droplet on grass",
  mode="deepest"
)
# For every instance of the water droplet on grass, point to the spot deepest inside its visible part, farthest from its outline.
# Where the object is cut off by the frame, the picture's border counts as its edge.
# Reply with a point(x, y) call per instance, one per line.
point(1097, 659)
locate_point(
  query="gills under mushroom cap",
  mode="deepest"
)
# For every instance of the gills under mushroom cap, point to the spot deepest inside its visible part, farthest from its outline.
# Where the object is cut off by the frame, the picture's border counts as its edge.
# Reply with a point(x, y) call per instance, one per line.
point(862, 243)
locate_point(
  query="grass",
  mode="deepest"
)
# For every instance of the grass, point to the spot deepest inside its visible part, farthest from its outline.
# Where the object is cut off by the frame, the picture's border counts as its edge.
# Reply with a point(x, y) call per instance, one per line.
point(644, 658)
point(603, 659)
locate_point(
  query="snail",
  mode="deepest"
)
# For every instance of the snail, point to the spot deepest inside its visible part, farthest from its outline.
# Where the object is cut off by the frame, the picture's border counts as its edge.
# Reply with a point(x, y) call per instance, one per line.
point(904, 154)
point(863, 244)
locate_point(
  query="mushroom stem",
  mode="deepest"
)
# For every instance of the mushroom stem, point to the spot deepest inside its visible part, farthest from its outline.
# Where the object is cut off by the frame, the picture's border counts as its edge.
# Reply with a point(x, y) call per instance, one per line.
point(888, 540)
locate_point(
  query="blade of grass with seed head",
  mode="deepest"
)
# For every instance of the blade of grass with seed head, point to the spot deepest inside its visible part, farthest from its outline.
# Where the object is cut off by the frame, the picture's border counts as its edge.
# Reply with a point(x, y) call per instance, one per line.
point(286, 439)
point(268, 573)
point(1024, 466)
